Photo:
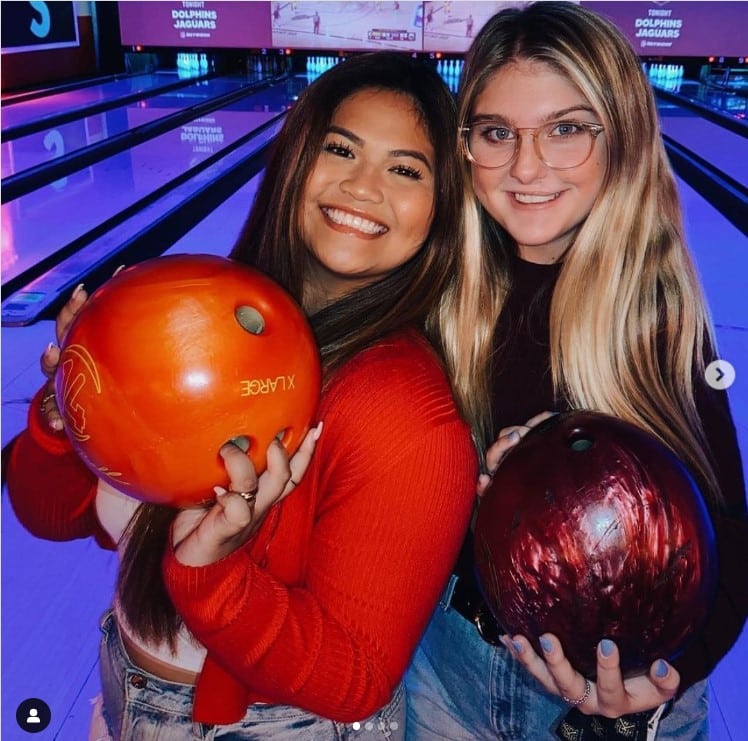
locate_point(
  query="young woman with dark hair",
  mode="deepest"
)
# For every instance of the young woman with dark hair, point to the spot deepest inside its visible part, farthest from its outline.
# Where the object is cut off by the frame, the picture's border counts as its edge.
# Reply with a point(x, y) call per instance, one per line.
point(298, 619)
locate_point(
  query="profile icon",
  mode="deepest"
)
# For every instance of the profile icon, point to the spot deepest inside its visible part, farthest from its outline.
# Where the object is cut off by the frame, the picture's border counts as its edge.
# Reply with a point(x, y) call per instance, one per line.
point(33, 715)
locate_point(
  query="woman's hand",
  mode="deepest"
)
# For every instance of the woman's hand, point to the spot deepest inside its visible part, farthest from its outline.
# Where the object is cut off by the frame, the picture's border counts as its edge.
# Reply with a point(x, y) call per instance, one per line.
point(611, 695)
point(51, 356)
point(202, 536)
point(507, 439)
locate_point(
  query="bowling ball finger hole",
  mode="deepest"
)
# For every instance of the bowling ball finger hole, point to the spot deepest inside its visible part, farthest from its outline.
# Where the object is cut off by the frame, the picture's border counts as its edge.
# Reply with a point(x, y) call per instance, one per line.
point(250, 319)
point(579, 442)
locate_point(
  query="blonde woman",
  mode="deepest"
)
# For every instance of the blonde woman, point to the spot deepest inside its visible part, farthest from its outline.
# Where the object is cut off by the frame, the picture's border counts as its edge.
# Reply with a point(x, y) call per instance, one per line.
point(598, 307)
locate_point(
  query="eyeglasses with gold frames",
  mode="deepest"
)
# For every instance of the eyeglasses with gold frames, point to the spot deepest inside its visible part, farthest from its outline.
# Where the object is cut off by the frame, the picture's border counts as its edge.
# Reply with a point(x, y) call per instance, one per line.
point(561, 145)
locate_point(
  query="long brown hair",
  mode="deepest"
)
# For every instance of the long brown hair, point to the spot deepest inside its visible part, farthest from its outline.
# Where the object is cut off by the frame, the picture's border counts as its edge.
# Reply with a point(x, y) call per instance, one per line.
point(271, 240)
point(272, 236)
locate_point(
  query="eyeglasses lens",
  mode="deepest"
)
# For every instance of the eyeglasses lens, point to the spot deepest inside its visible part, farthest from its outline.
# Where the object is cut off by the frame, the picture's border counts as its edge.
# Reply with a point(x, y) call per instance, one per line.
point(561, 146)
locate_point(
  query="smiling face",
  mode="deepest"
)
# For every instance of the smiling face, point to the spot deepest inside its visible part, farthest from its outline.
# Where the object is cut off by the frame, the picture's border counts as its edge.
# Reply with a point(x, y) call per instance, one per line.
point(540, 207)
point(368, 203)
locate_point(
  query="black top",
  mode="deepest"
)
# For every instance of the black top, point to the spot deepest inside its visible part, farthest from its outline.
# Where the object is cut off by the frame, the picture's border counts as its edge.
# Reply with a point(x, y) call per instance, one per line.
point(521, 384)
point(522, 388)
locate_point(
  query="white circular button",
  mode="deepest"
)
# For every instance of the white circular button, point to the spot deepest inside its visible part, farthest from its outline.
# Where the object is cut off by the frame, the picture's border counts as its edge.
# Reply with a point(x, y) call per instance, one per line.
point(720, 374)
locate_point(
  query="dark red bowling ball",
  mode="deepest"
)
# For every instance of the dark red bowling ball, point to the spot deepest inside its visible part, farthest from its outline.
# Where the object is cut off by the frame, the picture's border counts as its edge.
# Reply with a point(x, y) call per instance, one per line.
point(591, 529)
point(175, 356)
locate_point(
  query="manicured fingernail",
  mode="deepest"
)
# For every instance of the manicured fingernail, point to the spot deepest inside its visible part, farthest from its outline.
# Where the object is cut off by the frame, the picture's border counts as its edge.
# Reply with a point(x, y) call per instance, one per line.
point(51, 346)
point(77, 290)
point(517, 646)
point(121, 267)
point(606, 647)
point(240, 441)
point(317, 432)
point(546, 645)
point(513, 436)
point(661, 669)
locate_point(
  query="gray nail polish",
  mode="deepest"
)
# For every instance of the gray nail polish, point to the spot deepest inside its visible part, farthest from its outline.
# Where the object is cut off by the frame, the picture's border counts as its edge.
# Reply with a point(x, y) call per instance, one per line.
point(606, 647)
point(546, 645)
point(661, 669)
point(241, 442)
point(517, 646)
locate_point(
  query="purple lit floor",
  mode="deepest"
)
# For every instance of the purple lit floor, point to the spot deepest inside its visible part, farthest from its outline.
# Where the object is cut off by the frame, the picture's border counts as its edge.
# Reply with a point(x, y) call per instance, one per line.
point(54, 593)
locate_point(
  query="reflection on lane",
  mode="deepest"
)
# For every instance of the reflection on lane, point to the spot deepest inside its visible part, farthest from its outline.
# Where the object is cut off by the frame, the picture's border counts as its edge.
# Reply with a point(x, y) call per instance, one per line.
point(32, 150)
point(725, 149)
point(16, 114)
point(41, 222)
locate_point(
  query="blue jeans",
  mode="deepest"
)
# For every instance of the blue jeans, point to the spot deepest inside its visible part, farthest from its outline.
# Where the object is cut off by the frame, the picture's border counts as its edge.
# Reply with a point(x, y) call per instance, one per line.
point(139, 706)
point(461, 688)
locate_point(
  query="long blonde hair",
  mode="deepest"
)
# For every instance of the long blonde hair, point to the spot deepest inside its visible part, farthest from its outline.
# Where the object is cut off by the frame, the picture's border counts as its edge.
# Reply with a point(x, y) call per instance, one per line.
point(464, 321)
point(628, 321)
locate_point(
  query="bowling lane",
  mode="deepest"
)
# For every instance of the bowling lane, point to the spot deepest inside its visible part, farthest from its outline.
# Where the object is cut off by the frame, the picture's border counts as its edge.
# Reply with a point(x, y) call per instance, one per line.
point(24, 112)
point(730, 101)
point(721, 254)
point(725, 149)
point(216, 234)
point(46, 220)
point(44, 146)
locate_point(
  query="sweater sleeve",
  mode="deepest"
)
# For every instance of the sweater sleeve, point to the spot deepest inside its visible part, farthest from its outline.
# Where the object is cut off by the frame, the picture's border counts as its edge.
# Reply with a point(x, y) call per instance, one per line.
point(51, 490)
point(394, 473)
point(728, 617)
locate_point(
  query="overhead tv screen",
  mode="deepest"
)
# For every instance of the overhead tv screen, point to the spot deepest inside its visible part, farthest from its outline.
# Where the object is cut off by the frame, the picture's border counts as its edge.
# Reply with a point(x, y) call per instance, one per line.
point(682, 28)
point(451, 26)
point(347, 25)
point(228, 25)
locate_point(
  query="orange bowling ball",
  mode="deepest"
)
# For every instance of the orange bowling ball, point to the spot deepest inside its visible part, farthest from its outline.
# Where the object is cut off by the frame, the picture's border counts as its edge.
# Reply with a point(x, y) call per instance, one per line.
point(175, 356)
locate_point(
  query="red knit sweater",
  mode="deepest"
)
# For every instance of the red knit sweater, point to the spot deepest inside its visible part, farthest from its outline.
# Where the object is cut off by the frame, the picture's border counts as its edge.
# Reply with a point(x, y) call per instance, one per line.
point(324, 607)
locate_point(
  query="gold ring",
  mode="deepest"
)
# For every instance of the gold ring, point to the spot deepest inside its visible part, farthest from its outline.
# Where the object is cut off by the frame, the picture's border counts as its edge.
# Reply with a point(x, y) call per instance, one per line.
point(585, 695)
point(248, 496)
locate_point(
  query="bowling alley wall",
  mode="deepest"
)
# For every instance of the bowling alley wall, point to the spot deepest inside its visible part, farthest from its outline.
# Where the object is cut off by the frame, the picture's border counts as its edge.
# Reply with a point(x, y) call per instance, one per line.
point(47, 42)
point(44, 42)
point(53, 41)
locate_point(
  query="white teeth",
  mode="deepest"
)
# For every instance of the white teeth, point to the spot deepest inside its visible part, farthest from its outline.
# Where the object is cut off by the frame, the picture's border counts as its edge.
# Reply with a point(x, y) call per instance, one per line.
point(529, 198)
point(356, 222)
